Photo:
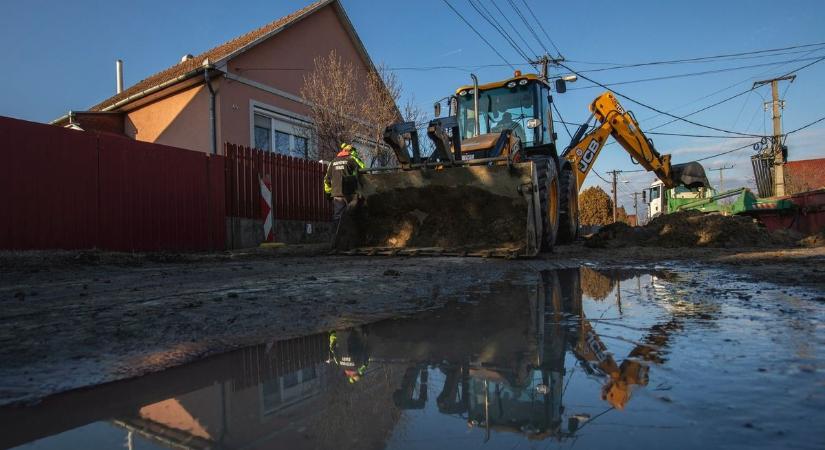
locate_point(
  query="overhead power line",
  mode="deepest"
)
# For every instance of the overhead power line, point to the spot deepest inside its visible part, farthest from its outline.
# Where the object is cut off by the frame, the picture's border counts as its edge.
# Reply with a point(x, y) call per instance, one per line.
point(620, 66)
point(818, 59)
point(530, 10)
point(693, 74)
point(653, 108)
point(470, 67)
point(478, 34)
point(516, 32)
point(490, 19)
point(703, 58)
point(747, 80)
point(692, 135)
point(615, 66)
point(527, 24)
point(562, 120)
point(806, 126)
point(598, 175)
point(726, 152)
point(714, 136)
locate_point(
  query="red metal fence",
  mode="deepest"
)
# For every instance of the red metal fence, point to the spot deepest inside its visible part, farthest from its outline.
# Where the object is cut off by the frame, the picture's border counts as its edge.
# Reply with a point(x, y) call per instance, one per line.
point(804, 175)
point(70, 189)
point(297, 185)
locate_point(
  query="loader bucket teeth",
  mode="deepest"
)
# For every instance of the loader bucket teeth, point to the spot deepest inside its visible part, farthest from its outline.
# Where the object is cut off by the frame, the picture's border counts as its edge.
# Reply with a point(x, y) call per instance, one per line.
point(473, 210)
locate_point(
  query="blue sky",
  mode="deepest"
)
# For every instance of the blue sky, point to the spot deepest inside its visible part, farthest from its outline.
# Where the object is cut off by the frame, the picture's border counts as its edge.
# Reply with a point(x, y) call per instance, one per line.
point(60, 56)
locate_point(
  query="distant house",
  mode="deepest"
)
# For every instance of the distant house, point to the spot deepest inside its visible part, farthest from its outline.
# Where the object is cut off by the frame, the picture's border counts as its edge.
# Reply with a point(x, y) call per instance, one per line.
point(236, 92)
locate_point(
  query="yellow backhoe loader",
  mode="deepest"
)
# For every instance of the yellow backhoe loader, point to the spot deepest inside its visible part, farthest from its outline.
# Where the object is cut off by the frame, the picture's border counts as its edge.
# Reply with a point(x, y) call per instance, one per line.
point(494, 183)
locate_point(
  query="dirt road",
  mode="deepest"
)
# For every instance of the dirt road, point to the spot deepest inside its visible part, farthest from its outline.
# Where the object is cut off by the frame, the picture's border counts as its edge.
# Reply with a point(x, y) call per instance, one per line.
point(74, 320)
point(792, 266)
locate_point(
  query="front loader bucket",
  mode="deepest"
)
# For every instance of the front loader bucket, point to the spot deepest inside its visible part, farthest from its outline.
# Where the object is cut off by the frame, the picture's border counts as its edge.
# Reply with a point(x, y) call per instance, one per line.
point(690, 174)
point(467, 210)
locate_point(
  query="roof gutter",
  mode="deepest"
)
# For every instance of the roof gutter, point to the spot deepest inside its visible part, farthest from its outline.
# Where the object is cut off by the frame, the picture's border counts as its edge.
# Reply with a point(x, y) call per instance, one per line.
point(141, 94)
point(154, 89)
point(62, 118)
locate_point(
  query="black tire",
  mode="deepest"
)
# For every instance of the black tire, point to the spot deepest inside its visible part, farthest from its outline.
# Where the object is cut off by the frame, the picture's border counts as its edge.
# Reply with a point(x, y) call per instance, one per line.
point(548, 180)
point(569, 207)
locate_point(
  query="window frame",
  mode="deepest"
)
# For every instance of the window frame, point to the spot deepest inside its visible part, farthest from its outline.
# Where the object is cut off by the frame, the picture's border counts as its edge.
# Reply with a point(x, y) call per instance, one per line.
point(295, 125)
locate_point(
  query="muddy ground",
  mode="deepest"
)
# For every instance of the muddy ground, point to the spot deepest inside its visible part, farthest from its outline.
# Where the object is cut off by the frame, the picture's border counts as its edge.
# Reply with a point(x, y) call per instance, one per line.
point(784, 266)
point(69, 320)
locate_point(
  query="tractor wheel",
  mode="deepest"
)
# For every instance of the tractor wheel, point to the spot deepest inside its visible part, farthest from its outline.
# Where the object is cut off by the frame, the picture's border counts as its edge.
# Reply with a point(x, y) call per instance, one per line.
point(548, 180)
point(569, 213)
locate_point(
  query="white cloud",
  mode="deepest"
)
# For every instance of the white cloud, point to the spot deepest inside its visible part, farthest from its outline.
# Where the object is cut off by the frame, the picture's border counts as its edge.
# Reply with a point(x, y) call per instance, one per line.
point(451, 52)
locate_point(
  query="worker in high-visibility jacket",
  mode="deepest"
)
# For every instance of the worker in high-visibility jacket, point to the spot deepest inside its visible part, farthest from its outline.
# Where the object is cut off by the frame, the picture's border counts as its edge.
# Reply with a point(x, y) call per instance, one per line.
point(341, 179)
point(350, 352)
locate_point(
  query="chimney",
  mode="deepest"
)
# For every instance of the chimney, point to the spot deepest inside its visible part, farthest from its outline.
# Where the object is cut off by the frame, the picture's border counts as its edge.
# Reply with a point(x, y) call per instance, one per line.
point(119, 72)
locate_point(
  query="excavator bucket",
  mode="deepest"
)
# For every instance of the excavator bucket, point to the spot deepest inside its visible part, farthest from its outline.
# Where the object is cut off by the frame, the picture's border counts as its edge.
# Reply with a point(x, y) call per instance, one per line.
point(473, 210)
point(690, 174)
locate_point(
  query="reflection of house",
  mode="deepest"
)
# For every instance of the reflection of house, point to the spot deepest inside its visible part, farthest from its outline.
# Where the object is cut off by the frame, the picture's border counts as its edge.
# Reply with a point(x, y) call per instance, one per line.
point(245, 91)
point(235, 416)
point(277, 402)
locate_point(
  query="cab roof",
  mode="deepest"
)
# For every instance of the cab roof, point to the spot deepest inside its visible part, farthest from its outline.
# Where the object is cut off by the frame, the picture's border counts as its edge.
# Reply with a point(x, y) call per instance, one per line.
point(502, 83)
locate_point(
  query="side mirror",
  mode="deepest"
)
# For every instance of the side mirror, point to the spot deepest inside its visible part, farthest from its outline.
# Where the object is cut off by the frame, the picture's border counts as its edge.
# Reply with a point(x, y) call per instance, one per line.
point(437, 108)
point(561, 86)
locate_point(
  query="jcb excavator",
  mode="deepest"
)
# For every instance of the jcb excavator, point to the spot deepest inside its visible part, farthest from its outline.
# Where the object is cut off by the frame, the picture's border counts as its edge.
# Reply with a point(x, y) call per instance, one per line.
point(494, 183)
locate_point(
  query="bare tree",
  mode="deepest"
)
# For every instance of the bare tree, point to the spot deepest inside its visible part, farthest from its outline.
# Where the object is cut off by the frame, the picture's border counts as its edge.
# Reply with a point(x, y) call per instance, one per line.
point(346, 107)
point(595, 207)
point(332, 92)
point(413, 113)
point(379, 108)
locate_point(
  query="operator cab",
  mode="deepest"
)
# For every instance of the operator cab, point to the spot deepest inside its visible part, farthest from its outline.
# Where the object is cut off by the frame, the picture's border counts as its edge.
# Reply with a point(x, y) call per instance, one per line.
point(520, 104)
point(655, 195)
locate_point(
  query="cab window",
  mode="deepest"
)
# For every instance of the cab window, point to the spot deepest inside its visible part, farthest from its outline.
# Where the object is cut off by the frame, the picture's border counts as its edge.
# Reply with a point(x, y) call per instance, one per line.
point(499, 109)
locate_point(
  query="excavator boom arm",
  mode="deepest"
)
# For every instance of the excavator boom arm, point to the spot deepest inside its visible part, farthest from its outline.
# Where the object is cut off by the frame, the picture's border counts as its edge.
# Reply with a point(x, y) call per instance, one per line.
point(615, 121)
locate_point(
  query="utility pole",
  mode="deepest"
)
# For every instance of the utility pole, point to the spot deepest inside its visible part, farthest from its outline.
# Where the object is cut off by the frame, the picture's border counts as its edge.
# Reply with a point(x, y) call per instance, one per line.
point(778, 157)
point(615, 174)
point(636, 207)
point(545, 61)
point(721, 178)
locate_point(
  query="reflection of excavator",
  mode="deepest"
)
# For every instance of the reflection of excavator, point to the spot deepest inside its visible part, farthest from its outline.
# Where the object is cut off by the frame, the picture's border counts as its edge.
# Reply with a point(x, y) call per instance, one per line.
point(494, 184)
point(503, 361)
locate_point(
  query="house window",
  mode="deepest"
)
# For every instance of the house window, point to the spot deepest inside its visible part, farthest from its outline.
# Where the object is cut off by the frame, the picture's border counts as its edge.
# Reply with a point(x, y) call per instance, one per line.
point(282, 143)
point(263, 132)
point(301, 146)
point(279, 136)
point(289, 389)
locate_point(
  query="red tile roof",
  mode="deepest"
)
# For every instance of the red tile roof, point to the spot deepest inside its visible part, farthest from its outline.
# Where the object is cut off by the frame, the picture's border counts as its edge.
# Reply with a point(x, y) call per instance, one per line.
point(215, 54)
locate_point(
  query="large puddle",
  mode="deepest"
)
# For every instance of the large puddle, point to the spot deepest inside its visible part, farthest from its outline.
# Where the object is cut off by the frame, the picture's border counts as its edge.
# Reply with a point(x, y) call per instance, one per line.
point(585, 358)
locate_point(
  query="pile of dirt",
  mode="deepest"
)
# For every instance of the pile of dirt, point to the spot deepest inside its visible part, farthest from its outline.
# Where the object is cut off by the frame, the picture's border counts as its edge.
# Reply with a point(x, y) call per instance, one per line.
point(691, 229)
point(437, 216)
point(814, 240)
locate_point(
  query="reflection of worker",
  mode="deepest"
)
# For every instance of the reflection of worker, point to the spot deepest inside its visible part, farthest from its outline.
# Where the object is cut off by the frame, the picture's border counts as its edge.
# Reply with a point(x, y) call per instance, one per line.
point(507, 123)
point(353, 355)
point(340, 181)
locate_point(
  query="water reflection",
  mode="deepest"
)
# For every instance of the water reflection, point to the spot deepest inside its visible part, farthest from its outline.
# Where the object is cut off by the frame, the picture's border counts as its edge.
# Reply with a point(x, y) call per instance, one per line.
point(500, 365)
